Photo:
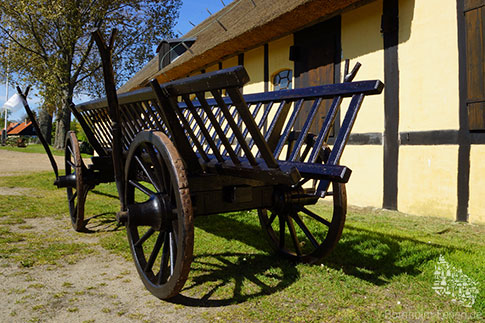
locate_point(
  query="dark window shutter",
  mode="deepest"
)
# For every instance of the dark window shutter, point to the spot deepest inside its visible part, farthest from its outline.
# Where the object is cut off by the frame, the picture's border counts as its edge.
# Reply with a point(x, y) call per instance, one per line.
point(475, 66)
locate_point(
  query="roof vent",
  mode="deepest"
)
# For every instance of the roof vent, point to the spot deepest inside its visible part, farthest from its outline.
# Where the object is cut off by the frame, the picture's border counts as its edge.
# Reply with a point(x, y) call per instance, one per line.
point(170, 49)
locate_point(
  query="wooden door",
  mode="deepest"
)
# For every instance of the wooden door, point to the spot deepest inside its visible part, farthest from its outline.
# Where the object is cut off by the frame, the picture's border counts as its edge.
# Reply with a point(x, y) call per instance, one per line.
point(475, 66)
point(318, 51)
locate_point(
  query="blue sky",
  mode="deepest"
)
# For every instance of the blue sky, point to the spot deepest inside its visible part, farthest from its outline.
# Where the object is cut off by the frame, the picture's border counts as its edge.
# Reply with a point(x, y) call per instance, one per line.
point(194, 11)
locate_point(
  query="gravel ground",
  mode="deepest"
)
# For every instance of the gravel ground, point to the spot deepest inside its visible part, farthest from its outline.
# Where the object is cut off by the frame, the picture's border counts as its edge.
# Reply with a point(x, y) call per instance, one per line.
point(101, 287)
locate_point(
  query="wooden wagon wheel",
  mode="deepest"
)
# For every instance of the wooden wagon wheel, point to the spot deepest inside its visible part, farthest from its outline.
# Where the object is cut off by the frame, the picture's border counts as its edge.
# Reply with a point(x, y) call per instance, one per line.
point(160, 223)
point(298, 233)
point(76, 193)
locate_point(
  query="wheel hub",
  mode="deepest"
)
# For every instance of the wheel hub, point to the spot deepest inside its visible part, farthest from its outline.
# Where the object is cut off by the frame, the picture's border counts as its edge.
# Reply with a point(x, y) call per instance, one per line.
point(156, 212)
point(285, 198)
point(66, 181)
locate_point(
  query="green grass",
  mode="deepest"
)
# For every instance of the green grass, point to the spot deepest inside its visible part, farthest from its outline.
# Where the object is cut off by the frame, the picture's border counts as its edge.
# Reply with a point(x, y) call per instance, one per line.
point(33, 148)
point(382, 269)
point(38, 148)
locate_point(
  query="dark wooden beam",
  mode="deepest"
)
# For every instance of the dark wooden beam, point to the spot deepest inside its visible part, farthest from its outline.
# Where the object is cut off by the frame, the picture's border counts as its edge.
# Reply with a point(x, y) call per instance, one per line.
point(464, 140)
point(390, 30)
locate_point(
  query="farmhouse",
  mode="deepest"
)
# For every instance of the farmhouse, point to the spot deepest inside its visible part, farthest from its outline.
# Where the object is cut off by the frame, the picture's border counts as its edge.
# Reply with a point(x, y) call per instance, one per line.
point(21, 129)
point(419, 148)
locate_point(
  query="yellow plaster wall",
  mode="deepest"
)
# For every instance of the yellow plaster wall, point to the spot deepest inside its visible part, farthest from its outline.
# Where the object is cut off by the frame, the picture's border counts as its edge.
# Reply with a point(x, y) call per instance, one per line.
point(230, 62)
point(212, 68)
point(365, 185)
point(254, 65)
point(362, 42)
point(476, 206)
point(428, 65)
point(427, 180)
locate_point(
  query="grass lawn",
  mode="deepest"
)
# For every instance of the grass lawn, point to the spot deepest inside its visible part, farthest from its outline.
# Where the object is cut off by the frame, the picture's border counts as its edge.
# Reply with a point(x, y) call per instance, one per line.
point(33, 148)
point(383, 269)
point(38, 148)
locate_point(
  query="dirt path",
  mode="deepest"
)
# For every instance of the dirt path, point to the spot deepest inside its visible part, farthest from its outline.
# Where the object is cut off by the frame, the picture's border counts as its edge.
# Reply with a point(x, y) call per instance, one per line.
point(100, 287)
point(17, 162)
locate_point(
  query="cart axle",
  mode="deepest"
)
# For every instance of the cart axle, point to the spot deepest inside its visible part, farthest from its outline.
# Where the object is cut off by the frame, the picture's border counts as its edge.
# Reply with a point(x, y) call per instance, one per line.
point(155, 212)
point(66, 181)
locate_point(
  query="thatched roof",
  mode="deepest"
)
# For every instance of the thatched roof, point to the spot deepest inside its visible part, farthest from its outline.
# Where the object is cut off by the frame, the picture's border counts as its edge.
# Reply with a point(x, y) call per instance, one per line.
point(244, 26)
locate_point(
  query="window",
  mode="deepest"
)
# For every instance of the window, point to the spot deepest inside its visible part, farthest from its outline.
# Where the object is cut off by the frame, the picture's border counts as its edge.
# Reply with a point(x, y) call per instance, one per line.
point(282, 80)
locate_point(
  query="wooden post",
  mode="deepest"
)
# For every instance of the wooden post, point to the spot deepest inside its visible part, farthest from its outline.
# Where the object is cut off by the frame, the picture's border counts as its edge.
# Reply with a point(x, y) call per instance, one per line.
point(105, 52)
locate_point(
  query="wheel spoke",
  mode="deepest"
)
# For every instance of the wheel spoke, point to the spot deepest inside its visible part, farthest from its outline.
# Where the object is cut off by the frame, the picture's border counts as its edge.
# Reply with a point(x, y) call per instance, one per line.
point(301, 183)
point(282, 231)
point(73, 197)
point(307, 232)
point(141, 187)
point(271, 218)
point(155, 251)
point(157, 166)
point(164, 262)
point(296, 242)
point(71, 163)
point(70, 151)
point(148, 173)
point(175, 232)
point(316, 217)
point(172, 253)
point(147, 235)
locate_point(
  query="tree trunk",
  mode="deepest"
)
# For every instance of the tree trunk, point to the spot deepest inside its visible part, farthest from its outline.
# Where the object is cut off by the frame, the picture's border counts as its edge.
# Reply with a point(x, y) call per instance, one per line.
point(45, 125)
point(63, 120)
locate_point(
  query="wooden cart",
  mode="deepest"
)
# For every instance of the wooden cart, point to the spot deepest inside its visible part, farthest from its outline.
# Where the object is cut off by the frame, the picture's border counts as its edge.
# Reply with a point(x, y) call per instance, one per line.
point(197, 146)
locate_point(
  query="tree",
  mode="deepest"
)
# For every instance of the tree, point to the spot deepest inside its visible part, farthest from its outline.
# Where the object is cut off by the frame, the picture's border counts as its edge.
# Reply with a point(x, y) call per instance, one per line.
point(47, 43)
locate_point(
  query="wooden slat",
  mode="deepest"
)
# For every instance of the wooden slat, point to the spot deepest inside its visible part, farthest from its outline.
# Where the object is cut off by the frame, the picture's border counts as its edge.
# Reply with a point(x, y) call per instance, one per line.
point(258, 138)
point(325, 131)
point(306, 127)
point(274, 130)
point(127, 123)
point(89, 121)
point(235, 129)
point(289, 125)
point(88, 131)
point(191, 134)
point(345, 129)
point(217, 128)
point(246, 130)
point(148, 108)
point(203, 129)
point(105, 132)
point(167, 106)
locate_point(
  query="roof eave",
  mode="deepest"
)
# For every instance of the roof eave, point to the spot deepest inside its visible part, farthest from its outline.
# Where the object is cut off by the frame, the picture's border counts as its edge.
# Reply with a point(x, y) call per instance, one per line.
point(247, 27)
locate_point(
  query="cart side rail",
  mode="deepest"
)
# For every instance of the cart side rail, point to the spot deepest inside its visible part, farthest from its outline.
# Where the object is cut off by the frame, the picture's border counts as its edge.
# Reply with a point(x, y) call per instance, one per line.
point(256, 135)
point(217, 129)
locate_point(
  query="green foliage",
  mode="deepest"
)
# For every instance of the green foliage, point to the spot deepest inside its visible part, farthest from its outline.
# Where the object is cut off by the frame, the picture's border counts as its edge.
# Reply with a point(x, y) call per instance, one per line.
point(48, 44)
point(78, 130)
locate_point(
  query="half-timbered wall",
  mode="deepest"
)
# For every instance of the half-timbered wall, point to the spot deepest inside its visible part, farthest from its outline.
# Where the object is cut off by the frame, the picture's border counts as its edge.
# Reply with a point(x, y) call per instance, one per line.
point(411, 148)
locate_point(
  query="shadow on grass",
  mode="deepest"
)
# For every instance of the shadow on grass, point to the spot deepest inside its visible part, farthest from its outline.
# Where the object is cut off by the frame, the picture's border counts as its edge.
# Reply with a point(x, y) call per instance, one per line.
point(377, 257)
point(104, 194)
point(371, 256)
point(235, 277)
point(104, 222)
